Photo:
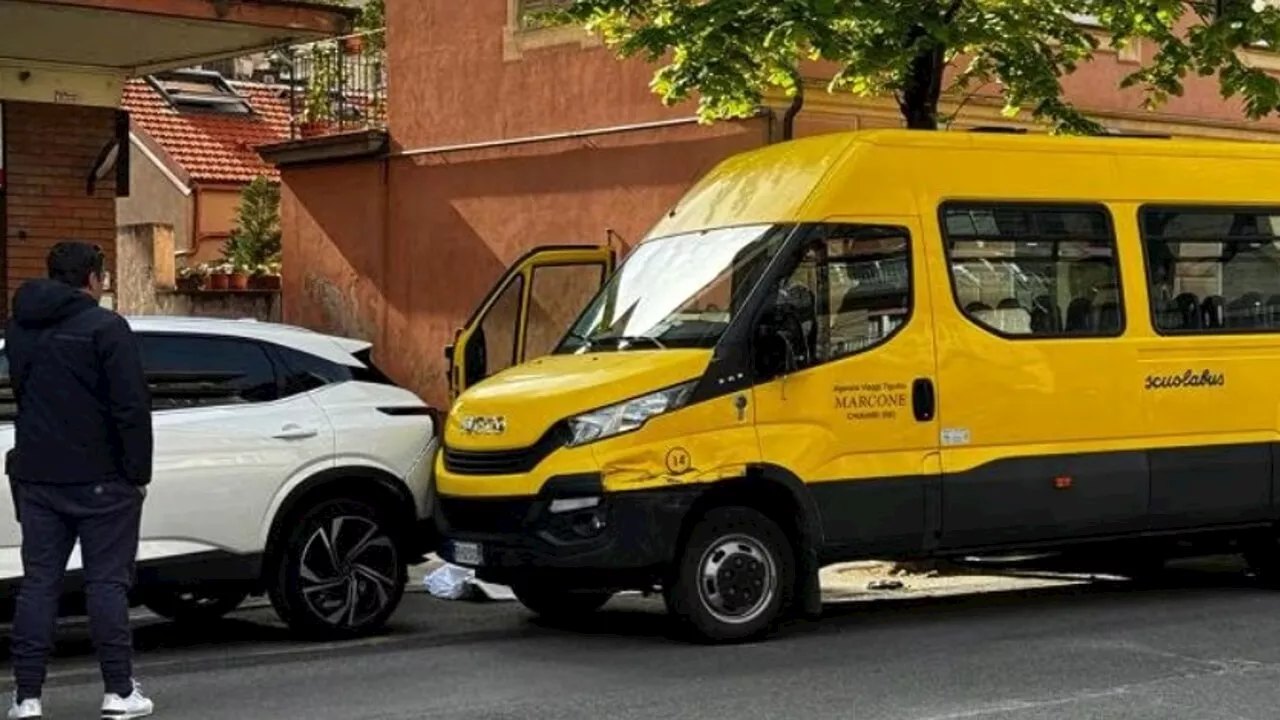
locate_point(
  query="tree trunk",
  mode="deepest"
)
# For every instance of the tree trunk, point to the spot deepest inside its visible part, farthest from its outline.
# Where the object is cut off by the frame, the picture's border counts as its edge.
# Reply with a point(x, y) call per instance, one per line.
point(918, 100)
point(797, 102)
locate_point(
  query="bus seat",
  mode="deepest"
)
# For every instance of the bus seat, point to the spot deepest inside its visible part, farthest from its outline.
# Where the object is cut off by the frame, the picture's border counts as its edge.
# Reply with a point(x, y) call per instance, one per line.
point(1109, 318)
point(1080, 315)
point(1188, 306)
point(1213, 311)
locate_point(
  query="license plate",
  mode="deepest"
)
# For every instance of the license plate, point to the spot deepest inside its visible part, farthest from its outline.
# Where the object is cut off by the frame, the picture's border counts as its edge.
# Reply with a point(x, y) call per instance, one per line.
point(467, 553)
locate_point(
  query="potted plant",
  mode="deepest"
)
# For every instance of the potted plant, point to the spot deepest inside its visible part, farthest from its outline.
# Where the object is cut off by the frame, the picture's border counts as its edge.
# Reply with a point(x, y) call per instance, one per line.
point(266, 277)
point(254, 244)
point(219, 276)
point(238, 279)
point(353, 44)
point(317, 104)
point(192, 278)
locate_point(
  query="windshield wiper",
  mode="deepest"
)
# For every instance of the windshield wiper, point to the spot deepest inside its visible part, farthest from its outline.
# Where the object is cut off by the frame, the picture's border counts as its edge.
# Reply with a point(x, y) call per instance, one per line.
point(618, 340)
point(586, 341)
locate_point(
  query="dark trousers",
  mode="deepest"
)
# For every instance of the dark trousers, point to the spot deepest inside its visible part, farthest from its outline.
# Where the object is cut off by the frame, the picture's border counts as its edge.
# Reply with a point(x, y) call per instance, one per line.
point(104, 517)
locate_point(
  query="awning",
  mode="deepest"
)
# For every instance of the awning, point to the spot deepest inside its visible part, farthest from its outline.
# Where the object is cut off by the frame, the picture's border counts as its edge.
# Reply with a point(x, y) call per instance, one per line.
point(79, 51)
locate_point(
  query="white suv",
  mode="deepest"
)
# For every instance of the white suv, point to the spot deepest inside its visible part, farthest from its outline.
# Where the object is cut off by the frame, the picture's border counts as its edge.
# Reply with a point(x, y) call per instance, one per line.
point(285, 464)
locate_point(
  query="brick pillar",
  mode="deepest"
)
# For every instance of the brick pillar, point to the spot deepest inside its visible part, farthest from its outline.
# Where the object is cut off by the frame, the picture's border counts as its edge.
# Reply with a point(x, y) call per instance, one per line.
point(50, 150)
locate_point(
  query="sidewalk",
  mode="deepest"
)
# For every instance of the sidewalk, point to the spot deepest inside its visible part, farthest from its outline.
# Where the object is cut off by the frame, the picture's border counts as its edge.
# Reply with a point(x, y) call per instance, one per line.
point(846, 582)
point(873, 580)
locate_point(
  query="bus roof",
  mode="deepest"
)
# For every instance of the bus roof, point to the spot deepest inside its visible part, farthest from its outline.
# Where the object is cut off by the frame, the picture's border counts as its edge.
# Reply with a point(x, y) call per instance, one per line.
point(896, 173)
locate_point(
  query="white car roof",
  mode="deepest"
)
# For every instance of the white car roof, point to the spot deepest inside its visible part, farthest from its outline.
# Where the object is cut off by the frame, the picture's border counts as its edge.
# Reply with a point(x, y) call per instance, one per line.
point(330, 347)
point(334, 348)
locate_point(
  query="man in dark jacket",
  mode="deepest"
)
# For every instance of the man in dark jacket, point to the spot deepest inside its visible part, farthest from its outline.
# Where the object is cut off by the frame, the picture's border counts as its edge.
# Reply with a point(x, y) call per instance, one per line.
point(79, 469)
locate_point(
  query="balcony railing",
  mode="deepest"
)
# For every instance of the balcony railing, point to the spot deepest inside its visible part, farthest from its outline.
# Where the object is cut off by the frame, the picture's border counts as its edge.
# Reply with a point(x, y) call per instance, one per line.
point(337, 85)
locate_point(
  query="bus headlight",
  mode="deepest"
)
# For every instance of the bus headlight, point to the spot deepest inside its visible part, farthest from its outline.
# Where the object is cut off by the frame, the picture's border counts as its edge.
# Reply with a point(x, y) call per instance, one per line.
point(627, 415)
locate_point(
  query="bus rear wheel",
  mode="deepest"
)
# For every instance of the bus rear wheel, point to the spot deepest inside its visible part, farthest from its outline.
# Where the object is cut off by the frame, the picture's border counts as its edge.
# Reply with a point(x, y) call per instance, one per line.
point(732, 578)
point(1262, 555)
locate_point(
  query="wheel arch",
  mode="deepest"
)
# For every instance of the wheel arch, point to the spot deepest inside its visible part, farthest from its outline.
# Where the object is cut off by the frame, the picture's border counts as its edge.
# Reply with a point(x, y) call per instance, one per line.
point(768, 489)
point(759, 485)
point(376, 486)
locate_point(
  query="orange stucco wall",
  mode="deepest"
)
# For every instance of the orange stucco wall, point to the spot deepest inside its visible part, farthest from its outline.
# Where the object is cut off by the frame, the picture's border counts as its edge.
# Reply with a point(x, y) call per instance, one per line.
point(215, 218)
point(1095, 87)
point(399, 250)
point(449, 80)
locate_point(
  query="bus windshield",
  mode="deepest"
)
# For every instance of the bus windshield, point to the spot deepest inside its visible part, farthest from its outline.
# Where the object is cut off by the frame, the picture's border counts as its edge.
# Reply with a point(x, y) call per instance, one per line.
point(676, 291)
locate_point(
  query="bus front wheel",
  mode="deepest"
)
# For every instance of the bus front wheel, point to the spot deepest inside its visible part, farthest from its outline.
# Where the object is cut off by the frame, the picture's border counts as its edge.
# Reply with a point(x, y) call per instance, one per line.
point(733, 576)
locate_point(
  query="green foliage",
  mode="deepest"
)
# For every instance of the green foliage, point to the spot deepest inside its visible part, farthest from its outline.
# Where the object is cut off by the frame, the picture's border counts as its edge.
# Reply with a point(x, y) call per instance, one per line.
point(255, 241)
point(373, 16)
point(730, 53)
point(317, 103)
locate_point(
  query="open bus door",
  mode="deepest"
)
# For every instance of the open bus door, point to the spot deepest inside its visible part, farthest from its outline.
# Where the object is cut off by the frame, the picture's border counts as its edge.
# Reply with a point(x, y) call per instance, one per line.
point(527, 311)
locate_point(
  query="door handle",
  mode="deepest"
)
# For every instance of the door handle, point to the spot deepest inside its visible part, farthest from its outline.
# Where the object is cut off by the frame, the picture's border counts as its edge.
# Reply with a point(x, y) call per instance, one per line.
point(295, 432)
point(923, 400)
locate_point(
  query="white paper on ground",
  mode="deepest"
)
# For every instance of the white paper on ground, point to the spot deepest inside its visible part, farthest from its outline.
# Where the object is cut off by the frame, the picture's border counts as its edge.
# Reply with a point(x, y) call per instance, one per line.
point(453, 582)
point(491, 591)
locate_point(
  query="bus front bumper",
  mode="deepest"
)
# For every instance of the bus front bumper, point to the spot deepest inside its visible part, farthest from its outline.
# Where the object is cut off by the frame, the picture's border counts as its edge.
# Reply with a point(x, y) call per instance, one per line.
point(584, 538)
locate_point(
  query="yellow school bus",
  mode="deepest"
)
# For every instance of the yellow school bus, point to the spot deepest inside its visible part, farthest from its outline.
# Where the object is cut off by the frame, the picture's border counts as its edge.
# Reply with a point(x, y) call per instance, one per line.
point(881, 344)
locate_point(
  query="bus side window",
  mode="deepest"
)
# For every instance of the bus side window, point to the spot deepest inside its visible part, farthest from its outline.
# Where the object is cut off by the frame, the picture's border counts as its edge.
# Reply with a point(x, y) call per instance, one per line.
point(1027, 271)
point(1213, 270)
point(851, 291)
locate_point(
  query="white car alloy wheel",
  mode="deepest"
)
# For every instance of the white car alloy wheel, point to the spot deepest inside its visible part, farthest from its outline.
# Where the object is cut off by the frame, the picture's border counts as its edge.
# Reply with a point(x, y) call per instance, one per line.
point(341, 573)
point(348, 570)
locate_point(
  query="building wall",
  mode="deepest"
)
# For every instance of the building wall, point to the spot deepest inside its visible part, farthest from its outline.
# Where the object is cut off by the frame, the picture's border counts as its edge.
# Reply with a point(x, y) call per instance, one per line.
point(334, 250)
point(1095, 88)
point(145, 285)
point(458, 73)
point(201, 222)
point(50, 150)
point(153, 198)
point(214, 220)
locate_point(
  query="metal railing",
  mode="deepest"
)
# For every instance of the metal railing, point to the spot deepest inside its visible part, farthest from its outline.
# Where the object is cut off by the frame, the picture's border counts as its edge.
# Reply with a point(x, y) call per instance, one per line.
point(336, 86)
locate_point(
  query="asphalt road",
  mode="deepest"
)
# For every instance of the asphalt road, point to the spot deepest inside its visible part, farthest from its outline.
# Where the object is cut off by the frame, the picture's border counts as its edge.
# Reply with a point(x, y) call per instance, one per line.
point(1208, 648)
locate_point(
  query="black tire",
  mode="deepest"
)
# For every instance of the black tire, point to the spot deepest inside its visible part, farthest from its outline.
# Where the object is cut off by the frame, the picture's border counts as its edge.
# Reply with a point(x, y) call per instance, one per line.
point(195, 604)
point(753, 584)
point(317, 602)
point(559, 606)
point(1263, 558)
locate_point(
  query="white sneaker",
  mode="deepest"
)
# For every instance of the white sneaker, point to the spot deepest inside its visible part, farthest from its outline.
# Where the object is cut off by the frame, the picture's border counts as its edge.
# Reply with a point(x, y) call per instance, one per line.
point(28, 709)
point(136, 705)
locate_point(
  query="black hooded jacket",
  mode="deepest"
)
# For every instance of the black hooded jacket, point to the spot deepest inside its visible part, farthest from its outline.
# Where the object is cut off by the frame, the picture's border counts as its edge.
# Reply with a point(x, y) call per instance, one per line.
point(84, 410)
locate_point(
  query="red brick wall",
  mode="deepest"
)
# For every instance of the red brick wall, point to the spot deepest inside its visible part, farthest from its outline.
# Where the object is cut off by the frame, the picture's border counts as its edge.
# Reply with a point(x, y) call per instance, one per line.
point(49, 150)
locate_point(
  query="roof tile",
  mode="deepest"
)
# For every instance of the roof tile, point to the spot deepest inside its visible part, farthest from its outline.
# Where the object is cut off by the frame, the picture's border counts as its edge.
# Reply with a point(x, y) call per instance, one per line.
point(214, 147)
